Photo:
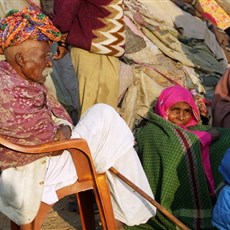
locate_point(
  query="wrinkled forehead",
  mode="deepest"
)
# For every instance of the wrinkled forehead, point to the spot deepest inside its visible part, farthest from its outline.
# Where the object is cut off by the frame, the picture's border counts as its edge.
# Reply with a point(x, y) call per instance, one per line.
point(181, 105)
point(27, 48)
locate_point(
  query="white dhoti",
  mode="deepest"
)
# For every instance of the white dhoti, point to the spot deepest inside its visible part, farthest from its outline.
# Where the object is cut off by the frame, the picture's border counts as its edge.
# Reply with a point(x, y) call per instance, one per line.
point(111, 144)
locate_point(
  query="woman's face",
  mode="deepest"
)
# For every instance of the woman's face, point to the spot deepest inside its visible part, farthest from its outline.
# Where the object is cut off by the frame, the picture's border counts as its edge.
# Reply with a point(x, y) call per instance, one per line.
point(180, 113)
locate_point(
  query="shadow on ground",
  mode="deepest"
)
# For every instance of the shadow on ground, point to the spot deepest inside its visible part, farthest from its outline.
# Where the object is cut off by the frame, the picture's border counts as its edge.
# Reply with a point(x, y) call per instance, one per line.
point(60, 218)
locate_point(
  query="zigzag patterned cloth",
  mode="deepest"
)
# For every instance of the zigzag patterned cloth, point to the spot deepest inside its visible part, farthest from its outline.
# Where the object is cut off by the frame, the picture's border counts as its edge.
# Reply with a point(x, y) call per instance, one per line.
point(110, 39)
point(172, 162)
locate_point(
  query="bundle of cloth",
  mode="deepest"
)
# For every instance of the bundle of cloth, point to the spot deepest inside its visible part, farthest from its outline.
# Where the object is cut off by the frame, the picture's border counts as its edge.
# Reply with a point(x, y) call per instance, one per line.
point(164, 49)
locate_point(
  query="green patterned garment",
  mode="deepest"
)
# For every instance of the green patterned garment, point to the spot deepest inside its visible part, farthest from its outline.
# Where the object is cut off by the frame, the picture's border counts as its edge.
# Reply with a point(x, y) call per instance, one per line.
point(171, 159)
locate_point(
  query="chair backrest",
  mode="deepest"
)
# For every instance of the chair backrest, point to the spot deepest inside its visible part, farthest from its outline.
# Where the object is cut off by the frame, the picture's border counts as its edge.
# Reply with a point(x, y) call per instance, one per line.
point(87, 179)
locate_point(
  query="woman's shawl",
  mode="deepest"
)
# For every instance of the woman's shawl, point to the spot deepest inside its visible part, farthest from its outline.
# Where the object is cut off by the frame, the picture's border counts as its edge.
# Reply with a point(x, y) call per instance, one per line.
point(171, 159)
point(26, 110)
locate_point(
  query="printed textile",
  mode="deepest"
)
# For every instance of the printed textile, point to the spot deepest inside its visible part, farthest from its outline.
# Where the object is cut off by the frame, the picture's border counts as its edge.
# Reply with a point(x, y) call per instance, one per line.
point(24, 109)
point(215, 9)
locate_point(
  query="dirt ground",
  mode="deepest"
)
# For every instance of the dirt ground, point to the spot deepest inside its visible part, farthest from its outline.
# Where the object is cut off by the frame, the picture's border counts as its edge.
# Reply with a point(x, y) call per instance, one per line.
point(60, 218)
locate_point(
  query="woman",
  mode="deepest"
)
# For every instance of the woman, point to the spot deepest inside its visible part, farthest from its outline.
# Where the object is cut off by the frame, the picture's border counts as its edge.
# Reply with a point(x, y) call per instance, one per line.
point(173, 148)
point(176, 104)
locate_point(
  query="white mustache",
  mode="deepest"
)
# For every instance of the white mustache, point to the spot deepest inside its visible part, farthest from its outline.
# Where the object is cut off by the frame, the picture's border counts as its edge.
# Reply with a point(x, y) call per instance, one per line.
point(47, 71)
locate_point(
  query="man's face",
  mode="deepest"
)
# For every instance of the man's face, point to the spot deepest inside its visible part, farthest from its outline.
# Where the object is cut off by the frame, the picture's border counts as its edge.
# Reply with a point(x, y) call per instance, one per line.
point(180, 113)
point(37, 64)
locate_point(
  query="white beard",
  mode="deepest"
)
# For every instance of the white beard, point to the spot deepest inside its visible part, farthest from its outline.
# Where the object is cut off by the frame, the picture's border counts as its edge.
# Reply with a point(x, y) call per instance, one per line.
point(47, 71)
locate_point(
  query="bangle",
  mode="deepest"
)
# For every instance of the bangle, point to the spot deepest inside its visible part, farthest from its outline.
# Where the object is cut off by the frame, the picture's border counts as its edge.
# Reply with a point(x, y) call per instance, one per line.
point(63, 44)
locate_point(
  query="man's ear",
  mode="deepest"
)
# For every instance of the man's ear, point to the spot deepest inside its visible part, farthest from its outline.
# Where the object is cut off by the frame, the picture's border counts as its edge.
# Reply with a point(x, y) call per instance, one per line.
point(19, 59)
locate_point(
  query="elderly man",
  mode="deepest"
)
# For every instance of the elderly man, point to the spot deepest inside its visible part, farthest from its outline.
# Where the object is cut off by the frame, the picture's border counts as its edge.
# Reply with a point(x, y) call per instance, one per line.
point(62, 81)
point(30, 115)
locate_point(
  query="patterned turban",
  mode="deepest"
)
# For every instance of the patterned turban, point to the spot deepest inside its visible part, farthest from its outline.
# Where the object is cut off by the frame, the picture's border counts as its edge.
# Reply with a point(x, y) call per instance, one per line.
point(29, 23)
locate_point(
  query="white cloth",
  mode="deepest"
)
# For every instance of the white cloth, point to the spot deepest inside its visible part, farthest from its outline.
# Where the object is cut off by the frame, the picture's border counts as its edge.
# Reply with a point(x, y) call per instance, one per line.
point(111, 144)
point(60, 173)
point(21, 191)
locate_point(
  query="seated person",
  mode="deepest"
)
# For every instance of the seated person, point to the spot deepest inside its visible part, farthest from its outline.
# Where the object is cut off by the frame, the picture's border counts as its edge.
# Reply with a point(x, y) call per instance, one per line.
point(181, 167)
point(177, 105)
point(30, 116)
point(221, 102)
point(220, 213)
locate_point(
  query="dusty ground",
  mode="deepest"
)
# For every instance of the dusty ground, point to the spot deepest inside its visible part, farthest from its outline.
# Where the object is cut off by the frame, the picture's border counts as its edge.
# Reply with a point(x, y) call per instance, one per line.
point(60, 218)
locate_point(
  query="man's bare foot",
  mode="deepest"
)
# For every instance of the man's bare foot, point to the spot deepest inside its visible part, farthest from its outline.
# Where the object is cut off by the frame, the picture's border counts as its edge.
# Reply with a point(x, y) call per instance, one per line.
point(119, 225)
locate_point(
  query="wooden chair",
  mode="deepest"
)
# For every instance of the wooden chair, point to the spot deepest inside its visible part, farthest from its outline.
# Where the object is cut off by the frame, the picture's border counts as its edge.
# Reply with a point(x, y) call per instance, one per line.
point(88, 181)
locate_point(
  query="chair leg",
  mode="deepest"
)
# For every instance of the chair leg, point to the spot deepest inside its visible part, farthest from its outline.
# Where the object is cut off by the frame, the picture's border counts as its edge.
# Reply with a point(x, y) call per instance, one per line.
point(104, 203)
point(85, 204)
point(21, 227)
point(14, 226)
point(27, 227)
point(43, 211)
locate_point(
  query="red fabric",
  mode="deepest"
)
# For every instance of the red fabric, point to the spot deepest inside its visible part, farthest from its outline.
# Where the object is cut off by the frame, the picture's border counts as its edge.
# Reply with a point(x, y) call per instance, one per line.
point(209, 17)
point(79, 18)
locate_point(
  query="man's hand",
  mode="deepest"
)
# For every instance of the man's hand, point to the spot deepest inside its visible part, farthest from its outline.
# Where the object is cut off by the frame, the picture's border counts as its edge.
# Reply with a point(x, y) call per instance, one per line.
point(60, 53)
point(63, 133)
point(62, 48)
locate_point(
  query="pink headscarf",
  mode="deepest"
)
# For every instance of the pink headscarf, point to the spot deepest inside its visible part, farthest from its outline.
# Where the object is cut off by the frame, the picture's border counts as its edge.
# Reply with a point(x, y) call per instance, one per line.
point(172, 95)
